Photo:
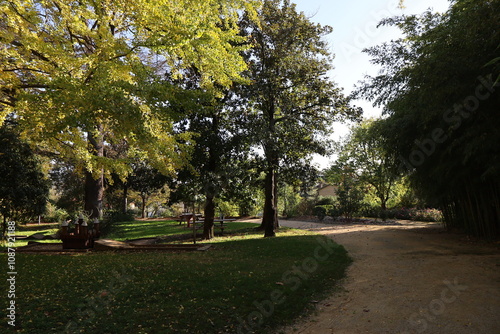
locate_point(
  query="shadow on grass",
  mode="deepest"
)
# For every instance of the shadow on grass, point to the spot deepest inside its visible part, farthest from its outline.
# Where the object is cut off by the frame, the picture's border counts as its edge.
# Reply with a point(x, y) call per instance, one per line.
point(226, 289)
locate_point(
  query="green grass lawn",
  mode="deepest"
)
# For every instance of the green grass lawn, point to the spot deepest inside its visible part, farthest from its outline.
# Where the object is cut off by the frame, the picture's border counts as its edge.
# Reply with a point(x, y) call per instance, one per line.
point(27, 230)
point(244, 284)
point(147, 229)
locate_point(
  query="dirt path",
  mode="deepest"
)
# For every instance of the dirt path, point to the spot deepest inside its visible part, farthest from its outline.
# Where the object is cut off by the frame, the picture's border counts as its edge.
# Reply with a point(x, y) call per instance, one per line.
point(413, 278)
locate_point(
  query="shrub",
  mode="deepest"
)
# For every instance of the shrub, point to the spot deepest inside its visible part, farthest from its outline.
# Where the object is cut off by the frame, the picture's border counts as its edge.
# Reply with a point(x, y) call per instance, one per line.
point(325, 201)
point(335, 211)
point(320, 211)
point(368, 210)
point(428, 215)
point(55, 215)
point(306, 207)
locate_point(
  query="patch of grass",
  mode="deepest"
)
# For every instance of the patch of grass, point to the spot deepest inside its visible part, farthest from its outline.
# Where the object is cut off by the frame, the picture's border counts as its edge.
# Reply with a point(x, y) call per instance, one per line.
point(27, 230)
point(243, 284)
point(148, 229)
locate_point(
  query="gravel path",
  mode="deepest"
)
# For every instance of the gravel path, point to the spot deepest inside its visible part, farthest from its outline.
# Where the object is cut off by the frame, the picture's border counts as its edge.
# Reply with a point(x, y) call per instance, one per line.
point(409, 278)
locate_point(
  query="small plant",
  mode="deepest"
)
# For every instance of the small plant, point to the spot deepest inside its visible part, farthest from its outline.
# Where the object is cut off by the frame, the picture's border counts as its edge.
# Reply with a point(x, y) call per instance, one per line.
point(428, 215)
point(320, 212)
point(306, 207)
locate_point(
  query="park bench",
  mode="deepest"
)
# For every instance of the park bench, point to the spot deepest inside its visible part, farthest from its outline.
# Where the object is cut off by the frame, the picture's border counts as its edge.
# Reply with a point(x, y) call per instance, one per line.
point(187, 217)
point(198, 224)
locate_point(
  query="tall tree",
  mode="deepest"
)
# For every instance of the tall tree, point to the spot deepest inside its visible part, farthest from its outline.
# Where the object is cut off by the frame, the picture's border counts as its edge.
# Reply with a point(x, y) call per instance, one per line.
point(219, 155)
point(438, 87)
point(67, 182)
point(365, 152)
point(80, 74)
point(292, 100)
point(24, 189)
point(145, 180)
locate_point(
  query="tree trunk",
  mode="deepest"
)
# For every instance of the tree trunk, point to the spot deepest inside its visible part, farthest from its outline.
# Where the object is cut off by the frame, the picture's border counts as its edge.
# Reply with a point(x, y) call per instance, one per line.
point(209, 212)
point(125, 199)
point(211, 189)
point(94, 186)
point(269, 217)
point(143, 209)
point(94, 193)
point(270, 214)
point(383, 204)
point(276, 212)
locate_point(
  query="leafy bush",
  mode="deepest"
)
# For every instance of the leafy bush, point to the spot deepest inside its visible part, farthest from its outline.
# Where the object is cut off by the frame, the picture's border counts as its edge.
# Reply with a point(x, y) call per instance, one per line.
point(54, 214)
point(426, 215)
point(320, 211)
point(306, 207)
point(350, 196)
point(335, 211)
point(326, 201)
point(227, 208)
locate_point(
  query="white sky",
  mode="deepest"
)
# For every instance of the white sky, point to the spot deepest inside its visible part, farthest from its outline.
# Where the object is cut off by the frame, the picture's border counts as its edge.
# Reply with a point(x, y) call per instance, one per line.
point(354, 28)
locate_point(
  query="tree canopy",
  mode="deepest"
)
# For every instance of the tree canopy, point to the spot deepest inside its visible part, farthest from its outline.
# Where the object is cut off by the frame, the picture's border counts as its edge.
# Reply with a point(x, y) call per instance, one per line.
point(438, 87)
point(292, 101)
point(365, 153)
point(77, 76)
point(24, 189)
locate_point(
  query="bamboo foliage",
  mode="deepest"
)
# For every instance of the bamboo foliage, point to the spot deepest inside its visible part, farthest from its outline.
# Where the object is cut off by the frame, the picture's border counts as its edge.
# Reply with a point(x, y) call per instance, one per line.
point(442, 99)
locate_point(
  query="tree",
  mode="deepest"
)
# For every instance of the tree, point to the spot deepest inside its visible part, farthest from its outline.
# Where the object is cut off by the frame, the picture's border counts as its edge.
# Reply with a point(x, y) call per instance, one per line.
point(146, 180)
point(440, 96)
point(367, 154)
point(24, 189)
point(219, 159)
point(67, 182)
point(350, 189)
point(292, 101)
point(80, 75)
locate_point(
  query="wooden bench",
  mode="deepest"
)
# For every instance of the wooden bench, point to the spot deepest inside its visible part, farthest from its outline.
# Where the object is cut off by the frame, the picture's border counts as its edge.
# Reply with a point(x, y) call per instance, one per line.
point(188, 217)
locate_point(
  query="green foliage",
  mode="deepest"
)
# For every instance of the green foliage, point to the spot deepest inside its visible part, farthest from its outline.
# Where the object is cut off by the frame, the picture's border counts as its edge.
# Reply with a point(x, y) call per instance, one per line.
point(227, 208)
point(292, 101)
point(349, 197)
point(366, 153)
point(54, 214)
point(149, 183)
point(306, 207)
point(401, 195)
point(24, 189)
point(438, 88)
point(288, 200)
point(325, 201)
point(350, 189)
point(67, 182)
point(424, 215)
point(81, 77)
point(321, 211)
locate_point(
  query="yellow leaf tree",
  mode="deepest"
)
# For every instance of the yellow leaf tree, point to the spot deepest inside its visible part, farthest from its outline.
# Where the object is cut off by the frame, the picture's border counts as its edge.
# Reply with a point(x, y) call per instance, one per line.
point(76, 76)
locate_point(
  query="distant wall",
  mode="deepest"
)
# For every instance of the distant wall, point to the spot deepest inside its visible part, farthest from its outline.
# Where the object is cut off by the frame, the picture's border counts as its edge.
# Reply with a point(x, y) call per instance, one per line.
point(328, 191)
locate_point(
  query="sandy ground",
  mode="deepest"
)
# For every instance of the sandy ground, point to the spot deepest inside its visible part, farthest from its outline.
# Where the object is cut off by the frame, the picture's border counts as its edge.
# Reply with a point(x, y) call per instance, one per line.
point(412, 278)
